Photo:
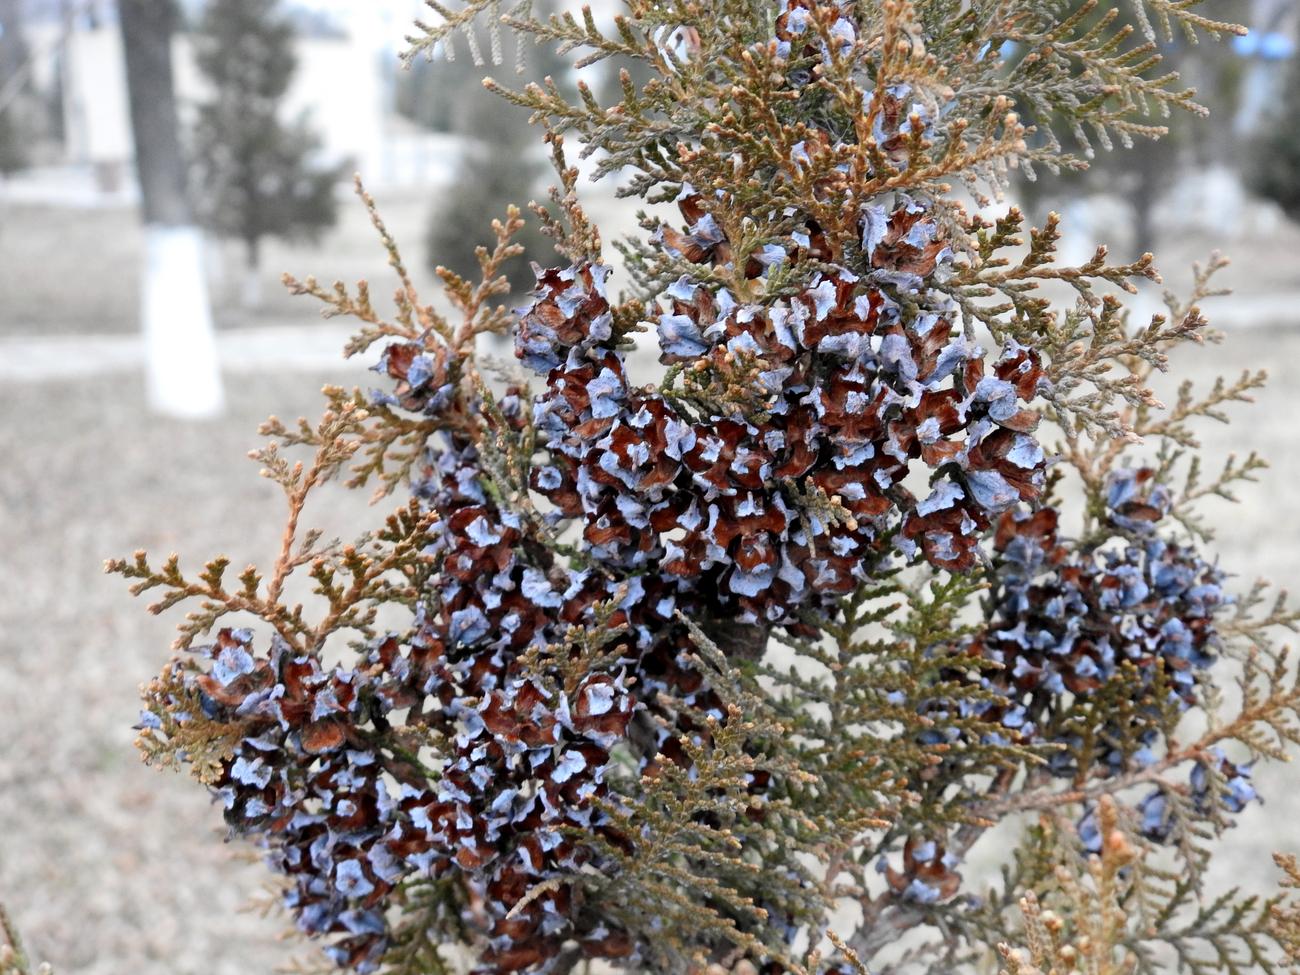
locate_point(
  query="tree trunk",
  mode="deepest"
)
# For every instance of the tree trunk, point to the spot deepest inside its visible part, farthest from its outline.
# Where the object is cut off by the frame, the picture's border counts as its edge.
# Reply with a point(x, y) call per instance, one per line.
point(183, 375)
point(13, 47)
point(1144, 200)
point(146, 38)
point(251, 294)
point(15, 69)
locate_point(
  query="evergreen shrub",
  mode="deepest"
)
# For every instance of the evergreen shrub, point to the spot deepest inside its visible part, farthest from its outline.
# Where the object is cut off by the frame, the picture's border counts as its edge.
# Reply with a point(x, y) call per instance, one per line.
point(900, 564)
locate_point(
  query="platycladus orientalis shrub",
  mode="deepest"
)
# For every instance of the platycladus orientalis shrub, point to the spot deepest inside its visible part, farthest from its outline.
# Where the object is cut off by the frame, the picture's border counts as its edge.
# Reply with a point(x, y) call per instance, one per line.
point(899, 562)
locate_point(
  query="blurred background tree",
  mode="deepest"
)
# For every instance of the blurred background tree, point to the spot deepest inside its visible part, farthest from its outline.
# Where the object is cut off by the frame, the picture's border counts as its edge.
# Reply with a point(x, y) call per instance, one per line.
point(256, 172)
point(500, 161)
point(1142, 178)
point(426, 93)
point(1275, 170)
point(14, 63)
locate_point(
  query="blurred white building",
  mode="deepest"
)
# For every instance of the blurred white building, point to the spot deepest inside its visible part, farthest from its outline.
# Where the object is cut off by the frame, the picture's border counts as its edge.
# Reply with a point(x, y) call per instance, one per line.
point(348, 69)
point(339, 83)
point(347, 65)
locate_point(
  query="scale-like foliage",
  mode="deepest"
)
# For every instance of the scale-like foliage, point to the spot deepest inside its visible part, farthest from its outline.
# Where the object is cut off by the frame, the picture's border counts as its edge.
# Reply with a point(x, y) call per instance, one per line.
point(13, 959)
point(734, 671)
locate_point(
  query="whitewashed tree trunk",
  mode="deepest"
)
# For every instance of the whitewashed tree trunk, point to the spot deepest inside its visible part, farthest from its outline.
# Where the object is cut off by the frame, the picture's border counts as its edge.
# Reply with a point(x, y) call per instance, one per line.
point(183, 378)
point(183, 375)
